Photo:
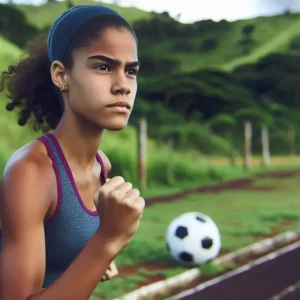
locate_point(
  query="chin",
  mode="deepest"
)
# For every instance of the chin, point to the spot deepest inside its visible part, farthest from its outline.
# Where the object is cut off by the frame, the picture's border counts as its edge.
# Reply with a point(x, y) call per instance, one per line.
point(117, 126)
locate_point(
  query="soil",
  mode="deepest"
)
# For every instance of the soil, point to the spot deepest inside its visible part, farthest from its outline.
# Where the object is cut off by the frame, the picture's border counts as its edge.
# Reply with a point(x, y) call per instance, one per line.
point(239, 184)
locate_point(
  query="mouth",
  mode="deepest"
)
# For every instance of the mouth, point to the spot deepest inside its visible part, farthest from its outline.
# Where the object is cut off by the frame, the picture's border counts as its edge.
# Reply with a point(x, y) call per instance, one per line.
point(120, 105)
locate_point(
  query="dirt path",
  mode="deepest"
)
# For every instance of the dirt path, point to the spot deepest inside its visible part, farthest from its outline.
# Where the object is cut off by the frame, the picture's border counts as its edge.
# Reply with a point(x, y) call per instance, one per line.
point(239, 184)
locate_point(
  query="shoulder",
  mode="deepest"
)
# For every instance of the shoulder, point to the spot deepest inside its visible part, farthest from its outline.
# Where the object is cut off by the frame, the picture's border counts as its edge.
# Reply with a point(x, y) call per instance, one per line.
point(30, 157)
point(106, 161)
point(27, 178)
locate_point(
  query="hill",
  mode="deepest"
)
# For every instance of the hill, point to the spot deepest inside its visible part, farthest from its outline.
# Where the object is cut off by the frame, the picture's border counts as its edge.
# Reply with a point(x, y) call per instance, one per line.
point(45, 14)
point(9, 53)
point(222, 45)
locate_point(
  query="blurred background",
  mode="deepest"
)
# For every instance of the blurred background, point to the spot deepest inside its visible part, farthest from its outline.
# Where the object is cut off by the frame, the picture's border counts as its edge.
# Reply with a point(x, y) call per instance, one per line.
point(218, 100)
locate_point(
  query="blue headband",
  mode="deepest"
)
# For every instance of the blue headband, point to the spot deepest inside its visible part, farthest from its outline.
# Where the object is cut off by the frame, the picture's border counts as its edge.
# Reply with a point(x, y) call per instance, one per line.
point(67, 24)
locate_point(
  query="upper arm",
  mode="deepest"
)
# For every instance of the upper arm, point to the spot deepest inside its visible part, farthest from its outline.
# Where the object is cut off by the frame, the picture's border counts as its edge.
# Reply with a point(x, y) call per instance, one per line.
point(23, 205)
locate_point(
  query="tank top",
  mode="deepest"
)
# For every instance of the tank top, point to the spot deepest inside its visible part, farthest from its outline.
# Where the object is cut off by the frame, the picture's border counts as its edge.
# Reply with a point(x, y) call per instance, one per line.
point(72, 224)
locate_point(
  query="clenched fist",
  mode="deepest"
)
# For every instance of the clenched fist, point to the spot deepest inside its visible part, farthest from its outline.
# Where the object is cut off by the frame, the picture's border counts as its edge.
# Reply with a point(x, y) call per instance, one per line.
point(120, 208)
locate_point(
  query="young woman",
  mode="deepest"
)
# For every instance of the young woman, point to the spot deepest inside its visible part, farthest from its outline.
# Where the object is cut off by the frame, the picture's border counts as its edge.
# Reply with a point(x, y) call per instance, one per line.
point(54, 190)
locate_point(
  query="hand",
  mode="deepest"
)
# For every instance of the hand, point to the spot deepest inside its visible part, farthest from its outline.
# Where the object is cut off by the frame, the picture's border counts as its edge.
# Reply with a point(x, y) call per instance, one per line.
point(119, 207)
point(111, 272)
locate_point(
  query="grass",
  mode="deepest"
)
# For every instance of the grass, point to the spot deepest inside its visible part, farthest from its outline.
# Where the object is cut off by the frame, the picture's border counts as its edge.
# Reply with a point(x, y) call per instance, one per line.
point(243, 217)
point(45, 14)
point(9, 53)
point(271, 34)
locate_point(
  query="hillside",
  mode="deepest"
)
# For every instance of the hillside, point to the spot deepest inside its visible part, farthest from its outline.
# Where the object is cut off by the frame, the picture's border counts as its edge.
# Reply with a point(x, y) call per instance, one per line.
point(9, 53)
point(270, 34)
point(45, 14)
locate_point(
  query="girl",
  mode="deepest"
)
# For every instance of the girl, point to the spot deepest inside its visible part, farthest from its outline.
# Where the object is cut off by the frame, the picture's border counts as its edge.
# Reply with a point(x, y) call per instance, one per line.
point(78, 83)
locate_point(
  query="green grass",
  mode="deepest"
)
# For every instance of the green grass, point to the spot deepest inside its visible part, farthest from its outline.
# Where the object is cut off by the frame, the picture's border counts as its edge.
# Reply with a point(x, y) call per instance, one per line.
point(278, 42)
point(9, 53)
point(243, 217)
point(271, 34)
point(45, 14)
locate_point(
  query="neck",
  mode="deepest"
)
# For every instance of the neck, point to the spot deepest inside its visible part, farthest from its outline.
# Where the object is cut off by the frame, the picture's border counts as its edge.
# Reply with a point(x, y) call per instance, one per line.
point(79, 140)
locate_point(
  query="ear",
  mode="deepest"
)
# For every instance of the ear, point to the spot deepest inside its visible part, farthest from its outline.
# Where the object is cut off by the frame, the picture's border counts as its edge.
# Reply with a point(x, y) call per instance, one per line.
point(58, 74)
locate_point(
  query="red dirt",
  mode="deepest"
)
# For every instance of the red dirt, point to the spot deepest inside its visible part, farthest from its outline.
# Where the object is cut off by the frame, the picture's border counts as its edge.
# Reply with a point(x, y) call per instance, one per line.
point(151, 279)
point(134, 269)
point(239, 184)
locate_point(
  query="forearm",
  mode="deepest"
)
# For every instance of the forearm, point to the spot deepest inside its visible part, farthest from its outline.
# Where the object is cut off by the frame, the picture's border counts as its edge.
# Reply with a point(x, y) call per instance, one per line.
point(80, 279)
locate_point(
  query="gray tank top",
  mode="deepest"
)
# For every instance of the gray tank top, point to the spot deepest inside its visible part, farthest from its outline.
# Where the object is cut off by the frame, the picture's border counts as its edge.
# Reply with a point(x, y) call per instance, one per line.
point(73, 224)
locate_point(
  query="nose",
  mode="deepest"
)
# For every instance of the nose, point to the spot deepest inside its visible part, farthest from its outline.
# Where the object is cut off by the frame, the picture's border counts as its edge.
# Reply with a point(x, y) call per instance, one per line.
point(120, 85)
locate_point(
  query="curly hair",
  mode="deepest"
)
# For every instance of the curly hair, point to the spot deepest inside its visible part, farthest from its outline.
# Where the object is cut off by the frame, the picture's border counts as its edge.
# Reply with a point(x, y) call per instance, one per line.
point(29, 83)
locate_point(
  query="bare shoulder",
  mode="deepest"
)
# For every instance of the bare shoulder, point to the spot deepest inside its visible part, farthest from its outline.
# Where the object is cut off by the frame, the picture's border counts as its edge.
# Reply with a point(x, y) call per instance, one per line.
point(106, 161)
point(28, 172)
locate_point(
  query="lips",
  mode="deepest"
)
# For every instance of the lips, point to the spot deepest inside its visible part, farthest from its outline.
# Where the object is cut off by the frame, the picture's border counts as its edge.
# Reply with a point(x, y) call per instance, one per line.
point(119, 104)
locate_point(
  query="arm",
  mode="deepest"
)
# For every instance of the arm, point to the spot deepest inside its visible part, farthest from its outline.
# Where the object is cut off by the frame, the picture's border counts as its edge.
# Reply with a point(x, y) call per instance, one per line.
point(24, 202)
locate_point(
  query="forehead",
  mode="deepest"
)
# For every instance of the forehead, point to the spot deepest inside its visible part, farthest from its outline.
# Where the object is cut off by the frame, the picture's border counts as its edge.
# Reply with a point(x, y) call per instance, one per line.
point(119, 44)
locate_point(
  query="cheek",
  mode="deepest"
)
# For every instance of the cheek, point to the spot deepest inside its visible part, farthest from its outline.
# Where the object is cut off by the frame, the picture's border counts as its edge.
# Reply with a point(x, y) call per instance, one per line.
point(89, 88)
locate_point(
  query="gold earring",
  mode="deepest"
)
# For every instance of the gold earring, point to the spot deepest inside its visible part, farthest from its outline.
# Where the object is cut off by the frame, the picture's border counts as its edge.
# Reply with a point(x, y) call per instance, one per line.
point(64, 88)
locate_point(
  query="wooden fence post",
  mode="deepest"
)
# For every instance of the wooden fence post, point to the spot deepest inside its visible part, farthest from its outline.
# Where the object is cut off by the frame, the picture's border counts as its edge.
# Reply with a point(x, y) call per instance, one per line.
point(265, 143)
point(292, 140)
point(142, 154)
point(247, 145)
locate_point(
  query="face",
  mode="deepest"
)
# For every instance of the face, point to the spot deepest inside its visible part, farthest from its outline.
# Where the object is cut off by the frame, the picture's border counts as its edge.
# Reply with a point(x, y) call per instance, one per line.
point(102, 84)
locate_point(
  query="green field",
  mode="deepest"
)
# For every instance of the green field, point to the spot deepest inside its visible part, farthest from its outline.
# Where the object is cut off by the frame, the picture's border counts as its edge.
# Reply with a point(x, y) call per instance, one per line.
point(243, 217)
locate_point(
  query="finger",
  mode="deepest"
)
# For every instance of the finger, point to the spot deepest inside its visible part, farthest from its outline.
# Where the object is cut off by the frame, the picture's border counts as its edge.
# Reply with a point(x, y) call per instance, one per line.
point(140, 204)
point(115, 181)
point(112, 274)
point(132, 194)
point(104, 277)
point(125, 187)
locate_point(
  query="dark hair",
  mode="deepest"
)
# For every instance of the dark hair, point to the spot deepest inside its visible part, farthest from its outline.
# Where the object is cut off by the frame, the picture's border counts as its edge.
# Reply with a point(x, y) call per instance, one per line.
point(29, 83)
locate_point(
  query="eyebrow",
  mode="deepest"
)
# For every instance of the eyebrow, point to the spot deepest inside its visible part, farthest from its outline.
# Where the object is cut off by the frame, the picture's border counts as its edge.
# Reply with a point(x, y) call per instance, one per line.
point(113, 61)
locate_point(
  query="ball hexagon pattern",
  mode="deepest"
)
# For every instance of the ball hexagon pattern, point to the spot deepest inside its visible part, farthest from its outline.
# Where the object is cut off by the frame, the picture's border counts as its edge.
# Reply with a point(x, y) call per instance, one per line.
point(193, 239)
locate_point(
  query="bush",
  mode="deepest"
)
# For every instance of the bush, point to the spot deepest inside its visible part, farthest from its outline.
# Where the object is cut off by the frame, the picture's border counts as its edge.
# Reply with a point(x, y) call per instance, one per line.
point(14, 26)
point(183, 46)
point(295, 43)
point(154, 66)
point(209, 45)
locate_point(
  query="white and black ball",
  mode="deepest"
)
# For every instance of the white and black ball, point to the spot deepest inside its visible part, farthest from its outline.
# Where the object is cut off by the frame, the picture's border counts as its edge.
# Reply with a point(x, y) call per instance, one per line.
point(193, 239)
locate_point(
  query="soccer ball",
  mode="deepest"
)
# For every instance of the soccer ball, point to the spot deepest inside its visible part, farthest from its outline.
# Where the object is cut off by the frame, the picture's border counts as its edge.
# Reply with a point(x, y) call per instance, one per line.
point(193, 239)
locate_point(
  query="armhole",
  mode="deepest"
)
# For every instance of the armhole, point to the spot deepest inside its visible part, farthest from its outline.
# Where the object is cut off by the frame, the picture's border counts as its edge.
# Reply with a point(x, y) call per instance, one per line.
point(58, 179)
point(103, 175)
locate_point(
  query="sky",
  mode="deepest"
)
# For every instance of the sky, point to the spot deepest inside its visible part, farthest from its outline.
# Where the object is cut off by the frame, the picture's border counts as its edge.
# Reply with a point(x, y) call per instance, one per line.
point(194, 10)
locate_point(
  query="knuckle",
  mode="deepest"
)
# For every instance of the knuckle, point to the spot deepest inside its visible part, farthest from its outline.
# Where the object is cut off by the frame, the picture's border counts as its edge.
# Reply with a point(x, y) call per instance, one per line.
point(114, 194)
point(120, 178)
point(129, 185)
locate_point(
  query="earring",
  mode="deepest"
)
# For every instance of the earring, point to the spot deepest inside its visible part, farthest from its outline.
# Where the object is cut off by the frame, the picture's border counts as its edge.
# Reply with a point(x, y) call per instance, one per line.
point(64, 88)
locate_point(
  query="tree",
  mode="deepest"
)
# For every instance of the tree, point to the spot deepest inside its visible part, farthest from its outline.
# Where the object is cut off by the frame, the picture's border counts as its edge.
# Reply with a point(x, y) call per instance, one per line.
point(228, 124)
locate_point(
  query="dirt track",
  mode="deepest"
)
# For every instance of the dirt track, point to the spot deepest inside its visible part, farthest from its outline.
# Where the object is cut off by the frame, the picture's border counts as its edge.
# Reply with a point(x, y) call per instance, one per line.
point(267, 281)
point(239, 184)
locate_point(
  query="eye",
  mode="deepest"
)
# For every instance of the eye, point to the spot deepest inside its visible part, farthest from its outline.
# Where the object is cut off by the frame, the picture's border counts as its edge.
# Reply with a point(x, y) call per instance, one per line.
point(102, 68)
point(132, 72)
